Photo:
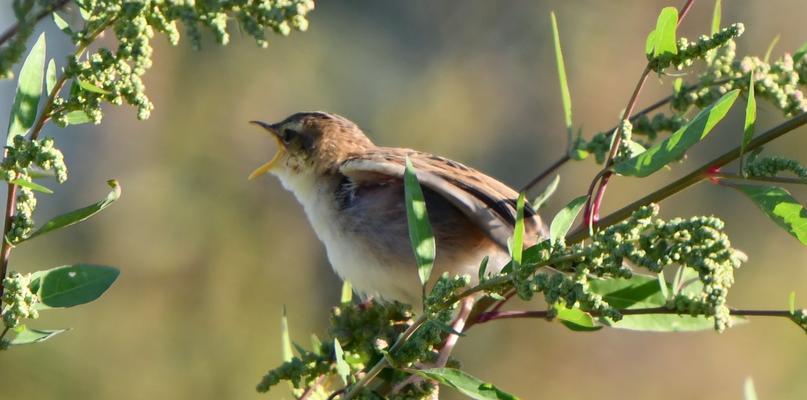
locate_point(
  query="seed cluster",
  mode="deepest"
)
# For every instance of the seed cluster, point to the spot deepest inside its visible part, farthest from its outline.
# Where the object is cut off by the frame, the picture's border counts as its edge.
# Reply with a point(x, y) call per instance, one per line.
point(688, 51)
point(772, 166)
point(18, 300)
point(115, 76)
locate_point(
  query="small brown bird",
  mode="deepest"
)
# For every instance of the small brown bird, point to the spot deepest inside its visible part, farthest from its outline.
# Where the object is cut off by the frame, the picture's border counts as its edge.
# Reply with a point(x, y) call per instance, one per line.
point(353, 194)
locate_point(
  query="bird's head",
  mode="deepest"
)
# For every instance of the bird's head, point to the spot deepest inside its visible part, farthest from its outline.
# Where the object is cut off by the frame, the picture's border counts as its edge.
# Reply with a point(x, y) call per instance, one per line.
point(311, 142)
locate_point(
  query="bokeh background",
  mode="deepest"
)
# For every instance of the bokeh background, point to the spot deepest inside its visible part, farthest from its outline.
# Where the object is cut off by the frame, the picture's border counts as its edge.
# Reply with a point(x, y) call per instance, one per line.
point(208, 259)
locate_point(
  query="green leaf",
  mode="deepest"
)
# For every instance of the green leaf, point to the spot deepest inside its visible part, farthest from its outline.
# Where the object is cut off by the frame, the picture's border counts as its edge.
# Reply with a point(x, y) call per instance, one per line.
point(576, 319)
point(518, 231)
point(791, 302)
point(465, 384)
point(29, 91)
point(780, 206)
point(342, 368)
point(78, 117)
point(32, 185)
point(662, 285)
point(750, 120)
point(85, 13)
point(29, 336)
point(483, 267)
point(91, 88)
point(316, 344)
point(564, 85)
point(678, 84)
point(420, 230)
point(71, 285)
point(50, 76)
point(565, 218)
point(285, 337)
point(550, 189)
point(749, 392)
point(770, 48)
point(800, 52)
point(76, 216)
point(347, 292)
point(662, 40)
point(61, 24)
point(716, 17)
point(678, 143)
point(643, 291)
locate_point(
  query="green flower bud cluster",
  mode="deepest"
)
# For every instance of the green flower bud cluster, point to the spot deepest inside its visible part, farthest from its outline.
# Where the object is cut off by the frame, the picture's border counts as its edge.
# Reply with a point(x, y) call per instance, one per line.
point(444, 289)
point(573, 292)
point(11, 52)
point(365, 332)
point(800, 318)
point(20, 158)
point(772, 166)
point(650, 128)
point(778, 82)
point(18, 300)
point(690, 51)
point(600, 144)
point(116, 76)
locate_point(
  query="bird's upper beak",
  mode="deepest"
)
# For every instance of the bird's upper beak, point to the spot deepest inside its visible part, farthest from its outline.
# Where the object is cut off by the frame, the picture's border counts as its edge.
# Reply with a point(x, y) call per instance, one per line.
point(281, 150)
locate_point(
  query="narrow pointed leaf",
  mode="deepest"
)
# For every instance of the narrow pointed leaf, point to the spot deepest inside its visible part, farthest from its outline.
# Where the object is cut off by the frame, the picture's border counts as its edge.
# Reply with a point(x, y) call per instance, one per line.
point(716, 17)
point(750, 120)
point(76, 216)
point(342, 367)
point(29, 91)
point(71, 285)
point(61, 23)
point(642, 291)
point(316, 344)
point(550, 189)
point(662, 285)
point(518, 231)
point(29, 336)
point(800, 52)
point(564, 86)
point(91, 88)
point(663, 39)
point(749, 392)
point(32, 185)
point(50, 76)
point(420, 230)
point(78, 117)
point(466, 384)
point(674, 147)
point(780, 206)
point(577, 319)
point(483, 267)
point(565, 218)
point(347, 292)
point(770, 48)
point(285, 337)
point(791, 302)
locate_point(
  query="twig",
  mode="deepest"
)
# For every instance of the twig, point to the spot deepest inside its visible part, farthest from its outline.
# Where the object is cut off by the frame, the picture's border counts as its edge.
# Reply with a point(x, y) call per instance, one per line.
point(310, 391)
point(10, 32)
point(636, 311)
point(580, 233)
point(772, 179)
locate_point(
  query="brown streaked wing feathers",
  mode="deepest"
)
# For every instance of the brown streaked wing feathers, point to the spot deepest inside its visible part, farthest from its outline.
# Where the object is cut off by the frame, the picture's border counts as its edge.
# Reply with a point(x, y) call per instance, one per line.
point(490, 204)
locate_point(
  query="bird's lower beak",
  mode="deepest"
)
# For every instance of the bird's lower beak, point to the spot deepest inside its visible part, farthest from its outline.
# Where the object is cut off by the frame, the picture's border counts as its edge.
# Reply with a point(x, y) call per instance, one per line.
point(281, 150)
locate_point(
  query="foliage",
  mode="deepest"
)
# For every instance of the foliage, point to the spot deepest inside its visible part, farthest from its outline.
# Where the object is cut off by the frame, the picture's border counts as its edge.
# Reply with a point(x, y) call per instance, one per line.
point(92, 76)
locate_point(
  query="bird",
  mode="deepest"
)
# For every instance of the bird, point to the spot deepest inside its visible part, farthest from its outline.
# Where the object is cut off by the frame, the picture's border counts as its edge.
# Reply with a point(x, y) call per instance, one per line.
point(352, 192)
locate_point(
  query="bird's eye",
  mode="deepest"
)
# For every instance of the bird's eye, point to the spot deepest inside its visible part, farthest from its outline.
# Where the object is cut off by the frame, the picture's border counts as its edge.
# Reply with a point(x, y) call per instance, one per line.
point(288, 134)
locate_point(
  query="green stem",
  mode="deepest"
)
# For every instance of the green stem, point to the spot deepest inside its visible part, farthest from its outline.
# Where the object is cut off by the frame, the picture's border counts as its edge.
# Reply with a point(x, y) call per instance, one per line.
point(10, 32)
point(770, 179)
point(635, 311)
point(704, 172)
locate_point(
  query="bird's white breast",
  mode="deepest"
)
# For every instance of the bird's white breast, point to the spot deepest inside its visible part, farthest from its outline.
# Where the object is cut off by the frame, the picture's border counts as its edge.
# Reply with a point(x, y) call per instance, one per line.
point(349, 256)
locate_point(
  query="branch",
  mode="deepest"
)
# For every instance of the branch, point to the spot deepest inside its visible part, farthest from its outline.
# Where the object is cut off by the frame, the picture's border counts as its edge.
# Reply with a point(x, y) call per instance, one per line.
point(770, 179)
point(545, 314)
point(10, 32)
point(581, 233)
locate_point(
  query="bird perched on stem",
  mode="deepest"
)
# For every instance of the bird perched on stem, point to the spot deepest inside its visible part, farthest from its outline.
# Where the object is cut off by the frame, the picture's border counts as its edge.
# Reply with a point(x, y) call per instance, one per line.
point(353, 194)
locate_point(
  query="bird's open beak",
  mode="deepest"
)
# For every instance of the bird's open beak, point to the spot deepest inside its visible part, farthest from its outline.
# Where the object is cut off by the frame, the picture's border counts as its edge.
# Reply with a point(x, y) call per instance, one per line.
point(281, 150)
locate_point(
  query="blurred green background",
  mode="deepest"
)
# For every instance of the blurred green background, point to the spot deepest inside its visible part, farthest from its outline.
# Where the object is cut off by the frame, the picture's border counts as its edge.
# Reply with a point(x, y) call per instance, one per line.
point(208, 259)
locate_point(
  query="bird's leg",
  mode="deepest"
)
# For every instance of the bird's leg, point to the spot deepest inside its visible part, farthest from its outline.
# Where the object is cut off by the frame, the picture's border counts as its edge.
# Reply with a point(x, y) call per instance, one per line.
point(466, 305)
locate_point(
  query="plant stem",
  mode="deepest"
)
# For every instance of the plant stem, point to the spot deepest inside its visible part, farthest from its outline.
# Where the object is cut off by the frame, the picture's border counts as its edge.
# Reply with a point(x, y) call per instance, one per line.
point(772, 179)
point(581, 233)
point(10, 32)
point(636, 311)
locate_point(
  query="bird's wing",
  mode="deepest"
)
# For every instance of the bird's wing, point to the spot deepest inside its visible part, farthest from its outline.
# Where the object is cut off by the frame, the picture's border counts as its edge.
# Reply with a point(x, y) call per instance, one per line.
point(490, 204)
